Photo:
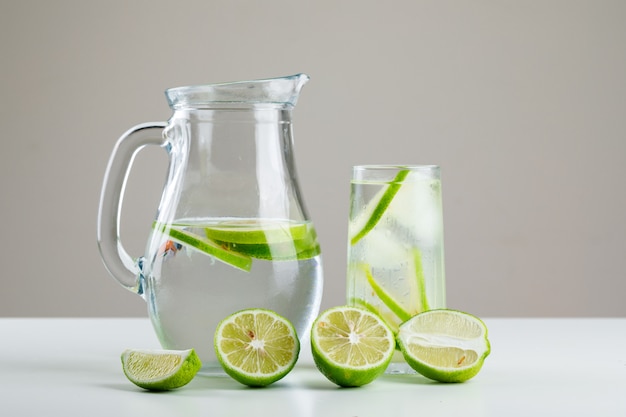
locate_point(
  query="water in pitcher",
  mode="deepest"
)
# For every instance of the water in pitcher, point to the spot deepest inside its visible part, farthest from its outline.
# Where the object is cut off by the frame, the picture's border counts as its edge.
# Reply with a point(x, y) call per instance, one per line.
point(269, 264)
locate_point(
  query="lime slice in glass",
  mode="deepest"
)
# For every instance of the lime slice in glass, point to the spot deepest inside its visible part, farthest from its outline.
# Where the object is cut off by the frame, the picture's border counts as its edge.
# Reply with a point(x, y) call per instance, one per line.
point(385, 296)
point(444, 345)
point(351, 346)
point(374, 212)
point(160, 370)
point(256, 347)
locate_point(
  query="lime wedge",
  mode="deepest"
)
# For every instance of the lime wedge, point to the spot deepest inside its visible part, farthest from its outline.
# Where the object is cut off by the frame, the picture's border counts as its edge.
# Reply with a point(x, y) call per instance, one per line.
point(160, 370)
point(381, 206)
point(256, 347)
point(351, 346)
point(202, 244)
point(444, 345)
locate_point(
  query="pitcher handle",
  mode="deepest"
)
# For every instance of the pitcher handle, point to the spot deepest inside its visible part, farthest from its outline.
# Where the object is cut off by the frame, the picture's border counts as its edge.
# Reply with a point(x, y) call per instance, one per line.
point(117, 261)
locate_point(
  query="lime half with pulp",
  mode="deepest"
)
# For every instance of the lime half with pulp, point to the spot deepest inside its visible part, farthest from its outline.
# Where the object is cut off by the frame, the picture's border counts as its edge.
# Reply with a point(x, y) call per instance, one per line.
point(444, 345)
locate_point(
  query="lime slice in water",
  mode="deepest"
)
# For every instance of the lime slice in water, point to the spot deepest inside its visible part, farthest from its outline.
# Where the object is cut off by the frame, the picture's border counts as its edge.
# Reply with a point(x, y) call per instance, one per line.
point(257, 231)
point(256, 347)
point(238, 260)
point(236, 242)
point(444, 345)
point(160, 370)
point(272, 241)
point(351, 346)
point(277, 252)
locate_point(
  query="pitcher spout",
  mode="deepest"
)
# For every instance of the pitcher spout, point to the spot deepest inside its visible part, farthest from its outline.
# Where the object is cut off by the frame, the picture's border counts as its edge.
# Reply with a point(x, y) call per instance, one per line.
point(297, 82)
point(283, 91)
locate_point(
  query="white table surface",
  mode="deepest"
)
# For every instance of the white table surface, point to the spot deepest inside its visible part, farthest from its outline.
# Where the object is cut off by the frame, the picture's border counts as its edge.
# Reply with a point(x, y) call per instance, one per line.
point(538, 367)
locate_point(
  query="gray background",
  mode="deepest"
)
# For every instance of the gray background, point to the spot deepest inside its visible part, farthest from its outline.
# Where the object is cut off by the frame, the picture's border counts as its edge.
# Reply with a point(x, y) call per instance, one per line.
point(522, 103)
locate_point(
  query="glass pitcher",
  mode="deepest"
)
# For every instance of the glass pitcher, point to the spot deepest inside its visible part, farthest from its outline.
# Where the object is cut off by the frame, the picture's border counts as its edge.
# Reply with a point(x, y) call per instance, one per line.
point(231, 231)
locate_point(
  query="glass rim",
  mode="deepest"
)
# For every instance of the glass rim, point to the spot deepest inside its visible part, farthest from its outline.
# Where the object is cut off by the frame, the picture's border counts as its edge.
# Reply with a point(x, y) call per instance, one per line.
point(266, 92)
point(385, 173)
point(383, 167)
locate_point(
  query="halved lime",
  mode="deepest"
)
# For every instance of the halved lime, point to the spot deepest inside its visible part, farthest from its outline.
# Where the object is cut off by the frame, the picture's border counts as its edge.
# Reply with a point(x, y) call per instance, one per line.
point(444, 345)
point(256, 347)
point(351, 346)
point(387, 317)
point(180, 235)
point(160, 370)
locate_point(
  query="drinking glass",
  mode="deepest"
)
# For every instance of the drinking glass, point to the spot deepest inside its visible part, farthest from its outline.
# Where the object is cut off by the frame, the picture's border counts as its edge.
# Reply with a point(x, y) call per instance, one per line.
point(395, 244)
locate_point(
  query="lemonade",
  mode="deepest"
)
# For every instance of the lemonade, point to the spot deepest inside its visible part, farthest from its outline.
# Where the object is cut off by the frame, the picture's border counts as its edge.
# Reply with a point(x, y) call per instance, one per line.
point(395, 245)
point(220, 266)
